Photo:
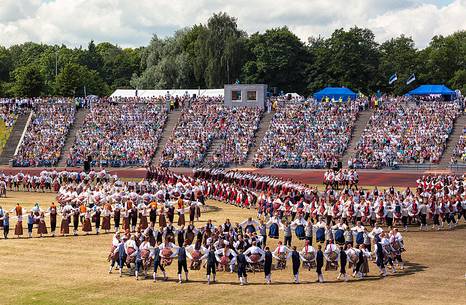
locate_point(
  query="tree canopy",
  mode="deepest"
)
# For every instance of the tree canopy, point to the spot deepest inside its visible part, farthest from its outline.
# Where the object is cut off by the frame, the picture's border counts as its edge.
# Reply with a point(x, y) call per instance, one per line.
point(219, 52)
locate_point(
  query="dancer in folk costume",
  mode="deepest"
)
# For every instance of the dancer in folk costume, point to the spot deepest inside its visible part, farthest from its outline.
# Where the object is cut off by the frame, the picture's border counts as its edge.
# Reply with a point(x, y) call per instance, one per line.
point(66, 213)
point(180, 210)
point(53, 212)
point(42, 228)
point(30, 223)
point(309, 254)
point(87, 226)
point(76, 214)
point(106, 213)
point(268, 256)
point(281, 254)
point(211, 264)
point(19, 224)
point(319, 263)
point(157, 259)
point(331, 254)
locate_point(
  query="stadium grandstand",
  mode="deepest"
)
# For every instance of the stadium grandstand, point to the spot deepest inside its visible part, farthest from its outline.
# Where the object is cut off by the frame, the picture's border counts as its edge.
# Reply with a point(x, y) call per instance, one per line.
point(126, 130)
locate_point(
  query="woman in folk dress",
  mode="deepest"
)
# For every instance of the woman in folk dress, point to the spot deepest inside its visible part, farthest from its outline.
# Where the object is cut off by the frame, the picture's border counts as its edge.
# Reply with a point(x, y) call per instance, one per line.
point(42, 228)
point(87, 226)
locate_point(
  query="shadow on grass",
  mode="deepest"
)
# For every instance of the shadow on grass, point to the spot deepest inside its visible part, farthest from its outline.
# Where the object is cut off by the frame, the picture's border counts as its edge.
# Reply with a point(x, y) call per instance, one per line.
point(410, 269)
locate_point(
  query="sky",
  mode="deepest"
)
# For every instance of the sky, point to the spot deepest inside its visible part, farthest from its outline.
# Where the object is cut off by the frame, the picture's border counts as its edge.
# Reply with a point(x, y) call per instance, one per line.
point(132, 23)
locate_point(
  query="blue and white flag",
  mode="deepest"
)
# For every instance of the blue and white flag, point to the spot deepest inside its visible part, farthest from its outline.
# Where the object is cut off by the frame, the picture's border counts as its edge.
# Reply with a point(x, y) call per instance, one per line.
point(392, 79)
point(411, 79)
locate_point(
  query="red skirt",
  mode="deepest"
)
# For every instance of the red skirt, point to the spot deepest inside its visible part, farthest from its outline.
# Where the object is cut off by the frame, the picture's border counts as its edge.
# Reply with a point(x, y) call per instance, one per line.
point(19, 229)
point(65, 226)
point(42, 228)
point(106, 223)
point(87, 227)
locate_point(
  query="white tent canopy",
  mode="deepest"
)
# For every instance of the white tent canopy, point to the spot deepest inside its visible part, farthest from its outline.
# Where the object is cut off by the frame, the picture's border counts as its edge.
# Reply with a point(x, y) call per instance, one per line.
point(173, 92)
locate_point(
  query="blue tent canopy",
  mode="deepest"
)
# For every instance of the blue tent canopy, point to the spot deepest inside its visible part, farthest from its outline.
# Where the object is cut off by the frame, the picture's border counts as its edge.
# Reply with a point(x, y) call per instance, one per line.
point(335, 93)
point(432, 89)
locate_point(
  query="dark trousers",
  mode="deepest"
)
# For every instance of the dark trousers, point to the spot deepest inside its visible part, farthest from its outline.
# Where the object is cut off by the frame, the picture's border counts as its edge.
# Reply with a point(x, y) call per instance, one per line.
point(242, 271)
point(182, 265)
point(30, 225)
point(287, 241)
point(121, 261)
point(6, 230)
point(158, 265)
point(211, 268)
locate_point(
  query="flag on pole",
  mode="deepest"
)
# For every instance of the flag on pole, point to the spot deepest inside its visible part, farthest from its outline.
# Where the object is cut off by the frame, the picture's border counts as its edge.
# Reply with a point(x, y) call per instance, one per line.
point(411, 79)
point(392, 79)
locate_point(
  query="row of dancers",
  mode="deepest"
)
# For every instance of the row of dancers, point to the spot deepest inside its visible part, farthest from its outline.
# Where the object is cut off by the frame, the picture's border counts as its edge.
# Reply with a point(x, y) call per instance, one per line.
point(140, 252)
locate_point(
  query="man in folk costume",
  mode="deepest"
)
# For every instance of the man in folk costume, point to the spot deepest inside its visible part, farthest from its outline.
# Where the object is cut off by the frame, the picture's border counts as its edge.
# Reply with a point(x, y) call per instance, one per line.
point(182, 261)
point(211, 264)
point(423, 209)
point(343, 261)
point(76, 215)
point(30, 223)
point(157, 259)
point(319, 263)
point(380, 255)
point(242, 262)
point(121, 251)
point(53, 211)
point(296, 263)
point(268, 265)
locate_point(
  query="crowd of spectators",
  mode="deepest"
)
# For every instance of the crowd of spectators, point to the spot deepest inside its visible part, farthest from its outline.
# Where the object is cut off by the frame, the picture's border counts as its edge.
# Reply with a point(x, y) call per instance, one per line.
point(402, 131)
point(308, 134)
point(204, 121)
point(10, 109)
point(459, 153)
point(46, 133)
point(119, 132)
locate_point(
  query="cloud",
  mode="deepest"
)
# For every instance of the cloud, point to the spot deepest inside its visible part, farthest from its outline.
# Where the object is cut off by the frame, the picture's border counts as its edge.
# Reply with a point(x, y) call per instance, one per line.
point(132, 23)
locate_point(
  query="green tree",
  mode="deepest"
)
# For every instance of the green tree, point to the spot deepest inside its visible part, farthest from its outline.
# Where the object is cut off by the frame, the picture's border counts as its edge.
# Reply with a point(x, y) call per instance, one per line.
point(223, 47)
point(277, 58)
point(348, 58)
point(76, 80)
point(397, 55)
point(28, 81)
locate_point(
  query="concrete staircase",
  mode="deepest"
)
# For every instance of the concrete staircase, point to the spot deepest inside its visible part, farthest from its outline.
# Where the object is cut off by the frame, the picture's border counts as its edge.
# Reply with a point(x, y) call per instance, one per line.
point(359, 127)
point(13, 140)
point(170, 124)
point(260, 133)
point(71, 138)
point(214, 146)
point(452, 141)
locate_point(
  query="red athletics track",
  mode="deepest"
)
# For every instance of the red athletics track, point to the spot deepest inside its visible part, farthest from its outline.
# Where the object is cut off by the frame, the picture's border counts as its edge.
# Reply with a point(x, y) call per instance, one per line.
point(366, 177)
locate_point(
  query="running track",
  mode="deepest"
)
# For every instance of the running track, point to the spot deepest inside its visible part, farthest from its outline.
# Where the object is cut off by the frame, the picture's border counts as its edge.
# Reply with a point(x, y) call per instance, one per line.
point(366, 177)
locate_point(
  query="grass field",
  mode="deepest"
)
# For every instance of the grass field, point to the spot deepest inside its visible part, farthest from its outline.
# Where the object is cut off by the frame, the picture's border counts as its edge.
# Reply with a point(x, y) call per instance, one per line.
point(4, 134)
point(73, 270)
